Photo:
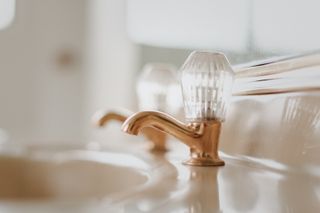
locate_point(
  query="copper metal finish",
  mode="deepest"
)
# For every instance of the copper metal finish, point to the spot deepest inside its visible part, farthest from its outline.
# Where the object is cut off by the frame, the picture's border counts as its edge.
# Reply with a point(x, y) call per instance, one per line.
point(158, 138)
point(101, 118)
point(202, 138)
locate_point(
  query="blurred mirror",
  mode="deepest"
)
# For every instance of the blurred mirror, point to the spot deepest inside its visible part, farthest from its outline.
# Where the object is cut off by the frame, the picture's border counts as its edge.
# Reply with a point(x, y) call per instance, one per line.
point(245, 30)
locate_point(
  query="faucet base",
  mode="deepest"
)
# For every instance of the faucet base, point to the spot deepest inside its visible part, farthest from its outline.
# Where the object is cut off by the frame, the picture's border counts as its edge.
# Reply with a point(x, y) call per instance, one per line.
point(158, 149)
point(203, 159)
point(203, 162)
point(157, 137)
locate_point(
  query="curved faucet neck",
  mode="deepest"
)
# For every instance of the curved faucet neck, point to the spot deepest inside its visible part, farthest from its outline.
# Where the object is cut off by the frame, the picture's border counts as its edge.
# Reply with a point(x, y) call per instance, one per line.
point(202, 138)
point(101, 118)
point(163, 122)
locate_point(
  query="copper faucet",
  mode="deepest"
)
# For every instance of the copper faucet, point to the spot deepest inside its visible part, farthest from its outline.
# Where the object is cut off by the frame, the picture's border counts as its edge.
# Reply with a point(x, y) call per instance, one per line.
point(158, 138)
point(206, 80)
point(202, 138)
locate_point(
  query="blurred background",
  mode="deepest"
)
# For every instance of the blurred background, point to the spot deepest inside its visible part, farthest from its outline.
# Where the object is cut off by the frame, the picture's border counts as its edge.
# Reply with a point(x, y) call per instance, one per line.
point(61, 60)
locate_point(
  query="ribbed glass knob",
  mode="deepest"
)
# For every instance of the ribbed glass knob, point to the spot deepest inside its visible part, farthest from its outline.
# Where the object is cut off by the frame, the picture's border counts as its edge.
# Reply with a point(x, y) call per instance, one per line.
point(206, 79)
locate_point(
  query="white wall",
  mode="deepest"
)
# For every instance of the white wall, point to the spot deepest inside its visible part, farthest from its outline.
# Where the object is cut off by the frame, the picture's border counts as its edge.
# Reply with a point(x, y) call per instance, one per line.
point(40, 98)
point(60, 61)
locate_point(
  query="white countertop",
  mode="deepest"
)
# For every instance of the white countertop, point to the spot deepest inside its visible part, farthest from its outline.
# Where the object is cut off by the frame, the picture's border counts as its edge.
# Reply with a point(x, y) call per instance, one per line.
point(242, 185)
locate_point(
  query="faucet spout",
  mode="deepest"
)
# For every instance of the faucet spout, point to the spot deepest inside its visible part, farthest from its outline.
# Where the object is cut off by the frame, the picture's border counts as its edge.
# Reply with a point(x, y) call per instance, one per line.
point(158, 138)
point(101, 118)
point(202, 138)
point(163, 122)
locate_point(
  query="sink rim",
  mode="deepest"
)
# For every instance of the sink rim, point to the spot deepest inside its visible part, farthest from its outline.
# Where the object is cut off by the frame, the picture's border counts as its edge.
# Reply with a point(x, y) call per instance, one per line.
point(107, 158)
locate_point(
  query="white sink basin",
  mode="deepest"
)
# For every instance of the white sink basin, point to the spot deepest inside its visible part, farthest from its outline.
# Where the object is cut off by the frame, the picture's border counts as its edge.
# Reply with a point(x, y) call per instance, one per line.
point(71, 175)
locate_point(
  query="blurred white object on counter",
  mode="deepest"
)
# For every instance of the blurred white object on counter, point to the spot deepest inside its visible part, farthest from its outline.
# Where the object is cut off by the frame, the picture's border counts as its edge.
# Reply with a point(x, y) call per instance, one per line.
point(158, 88)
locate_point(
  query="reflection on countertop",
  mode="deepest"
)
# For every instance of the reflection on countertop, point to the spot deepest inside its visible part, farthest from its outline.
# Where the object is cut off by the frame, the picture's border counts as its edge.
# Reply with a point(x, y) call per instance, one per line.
point(285, 129)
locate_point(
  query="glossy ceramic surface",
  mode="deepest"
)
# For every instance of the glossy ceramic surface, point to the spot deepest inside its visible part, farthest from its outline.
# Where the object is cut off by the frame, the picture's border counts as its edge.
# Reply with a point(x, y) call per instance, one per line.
point(72, 175)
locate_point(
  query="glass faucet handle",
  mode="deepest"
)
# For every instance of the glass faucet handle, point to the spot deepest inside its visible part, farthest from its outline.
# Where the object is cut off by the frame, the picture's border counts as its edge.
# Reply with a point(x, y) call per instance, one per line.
point(206, 80)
